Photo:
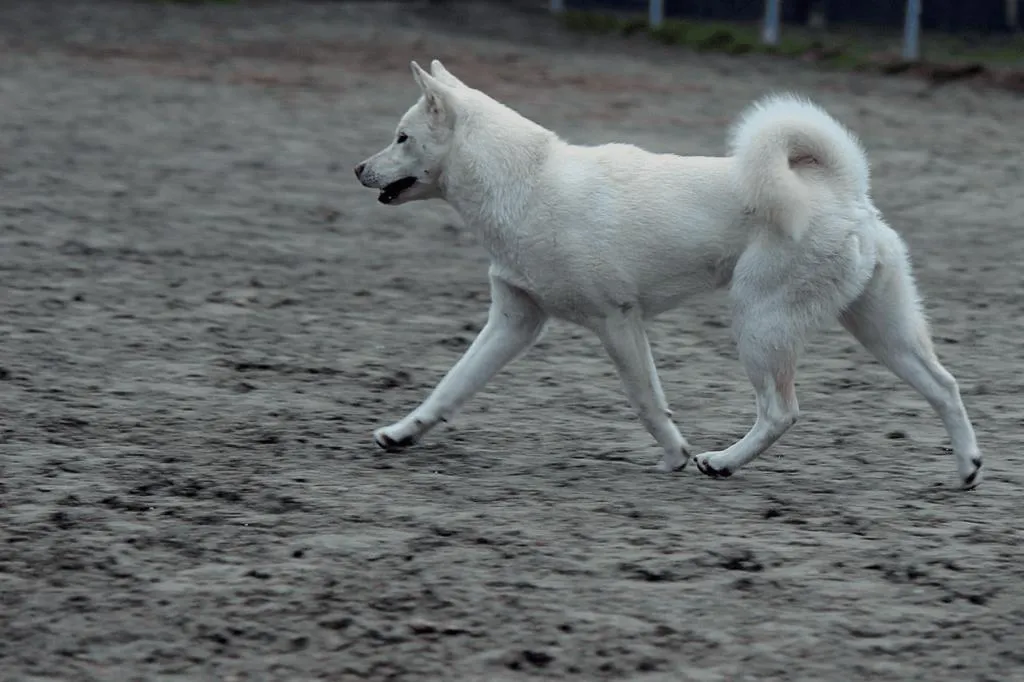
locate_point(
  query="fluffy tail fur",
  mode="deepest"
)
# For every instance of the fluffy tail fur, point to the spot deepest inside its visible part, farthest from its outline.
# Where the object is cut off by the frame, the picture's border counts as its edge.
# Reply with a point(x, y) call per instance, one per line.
point(789, 152)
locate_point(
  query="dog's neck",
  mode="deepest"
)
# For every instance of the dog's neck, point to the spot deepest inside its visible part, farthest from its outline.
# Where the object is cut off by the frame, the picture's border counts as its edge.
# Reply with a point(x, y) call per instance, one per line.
point(493, 167)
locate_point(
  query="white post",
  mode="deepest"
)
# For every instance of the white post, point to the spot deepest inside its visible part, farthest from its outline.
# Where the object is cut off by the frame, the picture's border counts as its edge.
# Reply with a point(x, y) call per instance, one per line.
point(912, 31)
point(557, 6)
point(655, 12)
point(770, 30)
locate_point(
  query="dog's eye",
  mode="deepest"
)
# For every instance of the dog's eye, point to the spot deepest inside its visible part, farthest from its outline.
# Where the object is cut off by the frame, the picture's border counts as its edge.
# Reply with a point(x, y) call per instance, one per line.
point(402, 137)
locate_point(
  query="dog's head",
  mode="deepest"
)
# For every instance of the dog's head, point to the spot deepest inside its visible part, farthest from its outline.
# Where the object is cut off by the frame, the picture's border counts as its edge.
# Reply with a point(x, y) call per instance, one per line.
point(409, 169)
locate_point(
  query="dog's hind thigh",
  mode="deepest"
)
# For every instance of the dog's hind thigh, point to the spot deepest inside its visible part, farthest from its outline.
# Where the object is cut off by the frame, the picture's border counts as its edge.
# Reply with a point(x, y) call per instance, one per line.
point(887, 319)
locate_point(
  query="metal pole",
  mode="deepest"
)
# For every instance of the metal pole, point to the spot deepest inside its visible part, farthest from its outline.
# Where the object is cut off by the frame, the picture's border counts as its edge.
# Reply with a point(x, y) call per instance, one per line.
point(655, 12)
point(557, 6)
point(912, 31)
point(770, 30)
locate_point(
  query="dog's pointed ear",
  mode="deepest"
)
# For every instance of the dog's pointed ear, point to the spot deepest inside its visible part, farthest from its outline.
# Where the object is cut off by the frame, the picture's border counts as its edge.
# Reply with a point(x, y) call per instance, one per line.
point(437, 94)
point(419, 75)
point(442, 74)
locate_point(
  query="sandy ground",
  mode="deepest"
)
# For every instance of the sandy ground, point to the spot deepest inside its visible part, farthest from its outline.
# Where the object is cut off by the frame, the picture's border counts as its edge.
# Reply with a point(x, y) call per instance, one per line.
point(203, 317)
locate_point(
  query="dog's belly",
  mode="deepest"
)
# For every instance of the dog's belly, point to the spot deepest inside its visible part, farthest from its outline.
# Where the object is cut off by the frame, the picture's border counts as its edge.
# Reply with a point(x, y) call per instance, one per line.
point(668, 295)
point(581, 288)
point(667, 280)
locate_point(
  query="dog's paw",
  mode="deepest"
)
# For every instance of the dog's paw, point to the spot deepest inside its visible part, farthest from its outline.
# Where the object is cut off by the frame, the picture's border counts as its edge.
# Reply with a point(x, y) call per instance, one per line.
point(671, 463)
point(974, 476)
point(392, 444)
point(708, 468)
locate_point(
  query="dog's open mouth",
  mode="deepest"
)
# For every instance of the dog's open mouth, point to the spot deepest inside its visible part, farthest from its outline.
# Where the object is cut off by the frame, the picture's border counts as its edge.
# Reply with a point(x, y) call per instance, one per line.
point(391, 192)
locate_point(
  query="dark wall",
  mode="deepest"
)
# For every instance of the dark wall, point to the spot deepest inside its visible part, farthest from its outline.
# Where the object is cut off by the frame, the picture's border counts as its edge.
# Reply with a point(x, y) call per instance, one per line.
point(720, 10)
point(735, 10)
point(942, 15)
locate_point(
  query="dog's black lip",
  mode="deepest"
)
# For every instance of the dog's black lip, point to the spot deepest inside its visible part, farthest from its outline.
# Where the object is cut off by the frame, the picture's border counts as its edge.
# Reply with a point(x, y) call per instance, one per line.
point(392, 190)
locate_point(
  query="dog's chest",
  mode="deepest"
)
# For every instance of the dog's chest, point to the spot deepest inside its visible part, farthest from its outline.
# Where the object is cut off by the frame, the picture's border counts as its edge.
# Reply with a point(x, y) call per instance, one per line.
point(560, 286)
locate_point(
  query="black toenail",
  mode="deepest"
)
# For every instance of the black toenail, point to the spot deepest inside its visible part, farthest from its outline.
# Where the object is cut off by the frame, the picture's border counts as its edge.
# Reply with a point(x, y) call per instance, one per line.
point(720, 473)
point(706, 468)
point(976, 461)
point(391, 445)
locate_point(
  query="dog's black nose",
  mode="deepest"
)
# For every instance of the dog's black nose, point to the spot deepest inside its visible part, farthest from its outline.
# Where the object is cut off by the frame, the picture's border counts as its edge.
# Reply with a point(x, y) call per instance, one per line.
point(359, 170)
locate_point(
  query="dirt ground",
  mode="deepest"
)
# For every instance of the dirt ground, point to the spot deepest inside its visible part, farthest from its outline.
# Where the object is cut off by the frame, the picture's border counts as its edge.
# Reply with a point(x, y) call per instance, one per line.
point(203, 317)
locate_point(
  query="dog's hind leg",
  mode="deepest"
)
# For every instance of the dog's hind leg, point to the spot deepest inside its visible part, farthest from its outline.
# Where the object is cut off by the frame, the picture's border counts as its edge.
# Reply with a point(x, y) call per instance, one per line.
point(513, 324)
point(625, 341)
point(769, 357)
point(888, 321)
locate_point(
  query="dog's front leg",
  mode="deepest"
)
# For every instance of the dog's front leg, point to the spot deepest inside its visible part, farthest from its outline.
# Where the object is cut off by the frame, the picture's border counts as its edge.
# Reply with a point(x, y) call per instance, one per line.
point(513, 324)
point(625, 340)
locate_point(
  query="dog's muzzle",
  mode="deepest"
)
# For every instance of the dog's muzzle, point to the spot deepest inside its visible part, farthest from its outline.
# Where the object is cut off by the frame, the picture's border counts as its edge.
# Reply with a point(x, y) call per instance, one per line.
point(389, 192)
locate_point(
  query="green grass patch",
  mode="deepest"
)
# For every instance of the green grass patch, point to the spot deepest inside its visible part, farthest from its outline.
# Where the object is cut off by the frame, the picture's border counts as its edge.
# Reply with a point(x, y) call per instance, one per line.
point(702, 36)
point(846, 47)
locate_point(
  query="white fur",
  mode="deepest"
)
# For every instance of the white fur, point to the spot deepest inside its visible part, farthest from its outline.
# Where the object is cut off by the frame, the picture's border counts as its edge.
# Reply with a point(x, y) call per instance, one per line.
point(790, 155)
point(608, 237)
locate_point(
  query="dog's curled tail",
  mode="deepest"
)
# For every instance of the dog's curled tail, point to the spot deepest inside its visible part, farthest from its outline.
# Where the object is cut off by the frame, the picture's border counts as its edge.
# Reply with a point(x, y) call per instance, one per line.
point(788, 152)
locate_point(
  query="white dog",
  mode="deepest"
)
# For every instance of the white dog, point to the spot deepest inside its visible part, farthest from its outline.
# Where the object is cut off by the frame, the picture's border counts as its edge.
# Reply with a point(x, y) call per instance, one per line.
point(610, 236)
